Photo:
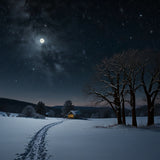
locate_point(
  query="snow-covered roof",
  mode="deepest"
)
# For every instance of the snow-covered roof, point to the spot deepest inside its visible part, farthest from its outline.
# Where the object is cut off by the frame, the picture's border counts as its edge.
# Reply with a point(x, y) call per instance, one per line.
point(74, 112)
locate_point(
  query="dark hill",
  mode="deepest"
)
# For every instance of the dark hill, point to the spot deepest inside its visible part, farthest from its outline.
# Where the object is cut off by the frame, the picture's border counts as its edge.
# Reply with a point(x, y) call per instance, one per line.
point(13, 106)
point(16, 106)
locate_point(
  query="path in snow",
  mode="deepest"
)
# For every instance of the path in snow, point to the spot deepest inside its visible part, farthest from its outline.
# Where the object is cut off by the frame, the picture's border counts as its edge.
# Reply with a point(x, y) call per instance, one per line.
point(36, 149)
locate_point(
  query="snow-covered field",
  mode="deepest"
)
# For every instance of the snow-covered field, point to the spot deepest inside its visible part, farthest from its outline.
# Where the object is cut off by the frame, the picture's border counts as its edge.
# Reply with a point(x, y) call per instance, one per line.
point(60, 139)
point(15, 134)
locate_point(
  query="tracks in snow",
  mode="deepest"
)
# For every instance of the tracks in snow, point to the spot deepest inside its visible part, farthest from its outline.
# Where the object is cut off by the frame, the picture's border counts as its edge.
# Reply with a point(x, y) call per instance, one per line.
point(36, 149)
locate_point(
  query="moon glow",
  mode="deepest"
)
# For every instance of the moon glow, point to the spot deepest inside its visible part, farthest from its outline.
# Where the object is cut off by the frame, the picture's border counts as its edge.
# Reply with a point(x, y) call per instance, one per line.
point(42, 40)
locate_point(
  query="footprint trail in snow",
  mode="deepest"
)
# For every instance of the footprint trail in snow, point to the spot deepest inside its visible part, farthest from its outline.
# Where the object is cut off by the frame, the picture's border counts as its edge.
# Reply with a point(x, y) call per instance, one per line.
point(36, 149)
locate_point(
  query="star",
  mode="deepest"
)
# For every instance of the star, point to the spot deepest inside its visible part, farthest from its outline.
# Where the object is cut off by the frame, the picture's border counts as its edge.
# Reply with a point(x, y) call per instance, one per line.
point(83, 51)
point(151, 31)
point(130, 37)
point(121, 10)
point(123, 24)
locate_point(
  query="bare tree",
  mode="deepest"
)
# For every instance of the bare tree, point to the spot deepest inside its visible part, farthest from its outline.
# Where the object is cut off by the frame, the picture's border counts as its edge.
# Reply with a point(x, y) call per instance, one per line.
point(124, 74)
point(150, 79)
point(133, 65)
point(118, 78)
point(110, 85)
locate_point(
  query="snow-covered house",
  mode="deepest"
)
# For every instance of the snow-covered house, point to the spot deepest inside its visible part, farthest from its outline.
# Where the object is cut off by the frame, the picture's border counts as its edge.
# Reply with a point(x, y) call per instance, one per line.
point(73, 114)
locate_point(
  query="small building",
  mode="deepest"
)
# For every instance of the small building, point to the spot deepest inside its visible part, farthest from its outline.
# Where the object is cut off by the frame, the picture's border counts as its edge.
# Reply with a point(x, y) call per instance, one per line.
point(73, 114)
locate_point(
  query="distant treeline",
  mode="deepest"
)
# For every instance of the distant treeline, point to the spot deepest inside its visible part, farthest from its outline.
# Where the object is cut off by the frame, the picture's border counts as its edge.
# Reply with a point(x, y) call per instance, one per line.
point(15, 106)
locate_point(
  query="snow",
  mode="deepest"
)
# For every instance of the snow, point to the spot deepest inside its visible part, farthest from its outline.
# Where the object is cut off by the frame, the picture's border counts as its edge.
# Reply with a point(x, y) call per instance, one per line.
point(16, 133)
point(4, 114)
point(79, 139)
point(36, 149)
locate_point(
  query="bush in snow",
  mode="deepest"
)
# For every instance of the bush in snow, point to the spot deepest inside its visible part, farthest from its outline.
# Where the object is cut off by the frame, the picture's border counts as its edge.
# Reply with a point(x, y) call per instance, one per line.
point(8, 114)
point(29, 111)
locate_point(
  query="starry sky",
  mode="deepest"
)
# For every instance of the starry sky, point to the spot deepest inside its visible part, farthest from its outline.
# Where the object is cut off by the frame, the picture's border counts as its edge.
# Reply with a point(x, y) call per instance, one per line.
point(77, 34)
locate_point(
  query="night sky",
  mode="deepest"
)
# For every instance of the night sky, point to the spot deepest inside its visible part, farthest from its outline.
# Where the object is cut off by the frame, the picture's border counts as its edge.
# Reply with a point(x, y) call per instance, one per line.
point(77, 35)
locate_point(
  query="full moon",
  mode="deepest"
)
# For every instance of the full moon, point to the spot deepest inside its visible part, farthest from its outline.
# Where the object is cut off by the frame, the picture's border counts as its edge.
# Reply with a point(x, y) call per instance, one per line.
point(42, 40)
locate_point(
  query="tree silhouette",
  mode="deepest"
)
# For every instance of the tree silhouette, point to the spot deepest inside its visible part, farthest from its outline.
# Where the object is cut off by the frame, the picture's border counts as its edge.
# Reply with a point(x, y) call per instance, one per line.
point(40, 108)
point(68, 106)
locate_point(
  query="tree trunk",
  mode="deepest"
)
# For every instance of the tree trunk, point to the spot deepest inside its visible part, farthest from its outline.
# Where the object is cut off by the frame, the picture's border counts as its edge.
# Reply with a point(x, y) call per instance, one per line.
point(133, 104)
point(134, 121)
point(118, 113)
point(123, 112)
point(150, 113)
